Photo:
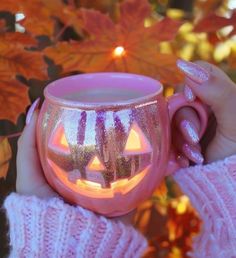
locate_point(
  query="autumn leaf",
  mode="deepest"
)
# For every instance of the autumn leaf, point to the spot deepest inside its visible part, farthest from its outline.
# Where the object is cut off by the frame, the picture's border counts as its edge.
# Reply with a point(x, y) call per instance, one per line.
point(17, 38)
point(41, 15)
point(20, 61)
point(166, 29)
point(14, 99)
point(16, 58)
point(137, 50)
point(213, 22)
point(5, 156)
point(38, 18)
point(206, 7)
point(2, 25)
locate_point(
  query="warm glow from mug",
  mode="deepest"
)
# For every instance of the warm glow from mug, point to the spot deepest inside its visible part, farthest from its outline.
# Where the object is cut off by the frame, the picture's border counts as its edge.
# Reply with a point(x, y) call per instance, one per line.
point(95, 164)
point(133, 142)
point(119, 51)
point(59, 140)
point(137, 141)
point(94, 189)
point(63, 141)
point(89, 183)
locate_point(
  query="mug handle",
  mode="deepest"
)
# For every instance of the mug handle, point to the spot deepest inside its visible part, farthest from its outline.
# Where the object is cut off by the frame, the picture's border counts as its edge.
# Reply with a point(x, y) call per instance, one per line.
point(176, 102)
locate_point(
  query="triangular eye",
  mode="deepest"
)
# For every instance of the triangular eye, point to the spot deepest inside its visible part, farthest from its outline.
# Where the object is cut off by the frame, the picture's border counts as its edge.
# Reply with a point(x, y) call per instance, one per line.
point(58, 140)
point(95, 164)
point(137, 142)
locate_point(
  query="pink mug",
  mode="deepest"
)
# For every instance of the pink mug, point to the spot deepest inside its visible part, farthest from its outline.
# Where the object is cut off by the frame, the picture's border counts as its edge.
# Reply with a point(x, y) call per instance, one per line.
point(104, 139)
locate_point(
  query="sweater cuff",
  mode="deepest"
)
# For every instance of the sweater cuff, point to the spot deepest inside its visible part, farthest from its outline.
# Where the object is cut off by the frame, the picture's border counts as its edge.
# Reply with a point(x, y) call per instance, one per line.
point(212, 191)
point(52, 228)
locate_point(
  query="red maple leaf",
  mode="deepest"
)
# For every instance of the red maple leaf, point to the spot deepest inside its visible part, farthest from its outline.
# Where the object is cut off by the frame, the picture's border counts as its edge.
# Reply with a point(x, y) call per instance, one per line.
point(213, 22)
point(126, 46)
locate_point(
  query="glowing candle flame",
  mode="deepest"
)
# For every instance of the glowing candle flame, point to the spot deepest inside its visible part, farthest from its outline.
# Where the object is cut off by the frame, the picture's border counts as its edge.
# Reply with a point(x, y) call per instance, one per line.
point(119, 51)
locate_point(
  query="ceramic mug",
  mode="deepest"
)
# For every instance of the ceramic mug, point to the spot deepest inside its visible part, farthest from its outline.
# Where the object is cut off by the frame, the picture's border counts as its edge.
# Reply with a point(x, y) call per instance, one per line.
point(104, 139)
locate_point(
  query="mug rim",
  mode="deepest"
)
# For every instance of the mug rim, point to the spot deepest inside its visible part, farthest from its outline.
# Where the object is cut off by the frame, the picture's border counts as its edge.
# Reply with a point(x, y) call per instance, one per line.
point(155, 88)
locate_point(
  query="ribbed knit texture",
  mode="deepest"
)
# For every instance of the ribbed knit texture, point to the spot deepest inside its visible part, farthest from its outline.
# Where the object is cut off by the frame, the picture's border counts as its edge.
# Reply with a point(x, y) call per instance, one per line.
point(212, 191)
point(53, 229)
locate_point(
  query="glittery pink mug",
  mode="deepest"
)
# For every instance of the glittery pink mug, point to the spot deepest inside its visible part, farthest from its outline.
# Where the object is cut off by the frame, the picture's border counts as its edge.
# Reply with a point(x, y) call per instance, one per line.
point(104, 139)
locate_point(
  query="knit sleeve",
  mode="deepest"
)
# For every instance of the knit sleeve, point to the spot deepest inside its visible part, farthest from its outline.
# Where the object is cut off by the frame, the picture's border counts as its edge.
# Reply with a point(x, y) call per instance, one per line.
point(52, 228)
point(212, 191)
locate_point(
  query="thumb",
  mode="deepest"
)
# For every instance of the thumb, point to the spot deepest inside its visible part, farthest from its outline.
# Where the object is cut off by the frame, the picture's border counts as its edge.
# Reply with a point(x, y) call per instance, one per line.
point(30, 179)
point(29, 172)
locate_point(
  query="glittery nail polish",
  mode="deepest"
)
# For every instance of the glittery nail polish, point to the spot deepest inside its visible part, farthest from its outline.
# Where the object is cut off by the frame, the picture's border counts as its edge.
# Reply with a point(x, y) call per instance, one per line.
point(193, 153)
point(31, 111)
point(189, 131)
point(193, 71)
point(189, 95)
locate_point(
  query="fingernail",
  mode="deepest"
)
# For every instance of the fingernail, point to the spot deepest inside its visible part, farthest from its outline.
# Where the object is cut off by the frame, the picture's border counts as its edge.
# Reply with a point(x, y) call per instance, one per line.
point(189, 95)
point(193, 71)
point(189, 131)
point(31, 111)
point(184, 162)
point(193, 153)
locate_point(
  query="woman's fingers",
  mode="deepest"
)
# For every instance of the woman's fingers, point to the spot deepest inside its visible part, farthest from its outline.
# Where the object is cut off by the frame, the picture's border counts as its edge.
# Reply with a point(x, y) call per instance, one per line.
point(185, 135)
point(187, 122)
point(30, 179)
point(208, 83)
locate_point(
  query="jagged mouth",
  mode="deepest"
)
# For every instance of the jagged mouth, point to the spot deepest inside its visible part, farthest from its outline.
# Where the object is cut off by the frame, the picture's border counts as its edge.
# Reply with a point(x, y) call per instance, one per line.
point(94, 189)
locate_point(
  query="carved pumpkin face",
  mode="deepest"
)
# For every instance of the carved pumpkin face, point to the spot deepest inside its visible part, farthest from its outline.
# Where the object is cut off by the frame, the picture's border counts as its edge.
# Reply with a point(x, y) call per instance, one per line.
point(106, 160)
point(109, 173)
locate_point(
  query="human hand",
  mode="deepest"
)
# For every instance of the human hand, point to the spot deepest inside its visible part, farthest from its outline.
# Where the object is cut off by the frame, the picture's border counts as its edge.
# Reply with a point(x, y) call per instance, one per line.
point(30, 179)
point(218, 92)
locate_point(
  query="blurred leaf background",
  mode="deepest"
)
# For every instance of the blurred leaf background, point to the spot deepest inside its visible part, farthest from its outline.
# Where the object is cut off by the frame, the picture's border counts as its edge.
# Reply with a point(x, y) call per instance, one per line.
point(43, 40)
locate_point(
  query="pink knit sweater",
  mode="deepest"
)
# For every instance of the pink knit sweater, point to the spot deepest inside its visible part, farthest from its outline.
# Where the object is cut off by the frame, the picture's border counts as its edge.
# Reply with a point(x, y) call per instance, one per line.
point(53, 229)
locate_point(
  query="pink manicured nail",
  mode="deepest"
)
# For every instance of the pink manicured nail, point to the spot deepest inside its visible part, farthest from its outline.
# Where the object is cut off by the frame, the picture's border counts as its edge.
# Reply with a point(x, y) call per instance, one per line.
point(193, 153)
point(188, 93)
point(184, 162)
point(189, 130)
point(193, 71)
point(31, 110)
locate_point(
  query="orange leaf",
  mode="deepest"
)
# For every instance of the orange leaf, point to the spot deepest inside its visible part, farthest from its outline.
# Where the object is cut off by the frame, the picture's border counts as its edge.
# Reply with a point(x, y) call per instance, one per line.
point(17, 38)
point(212, 23)
point(15, 59)
point(5, 156)
point(40, 15)
point(2, 25)
point(14, 95)
point(166, 29)
point(138, 46)
point(98, 24)
point(133, 13)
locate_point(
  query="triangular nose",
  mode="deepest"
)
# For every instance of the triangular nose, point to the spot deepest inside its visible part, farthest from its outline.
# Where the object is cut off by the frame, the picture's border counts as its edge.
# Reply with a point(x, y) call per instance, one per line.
point(95, 164)
point(137, 142)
